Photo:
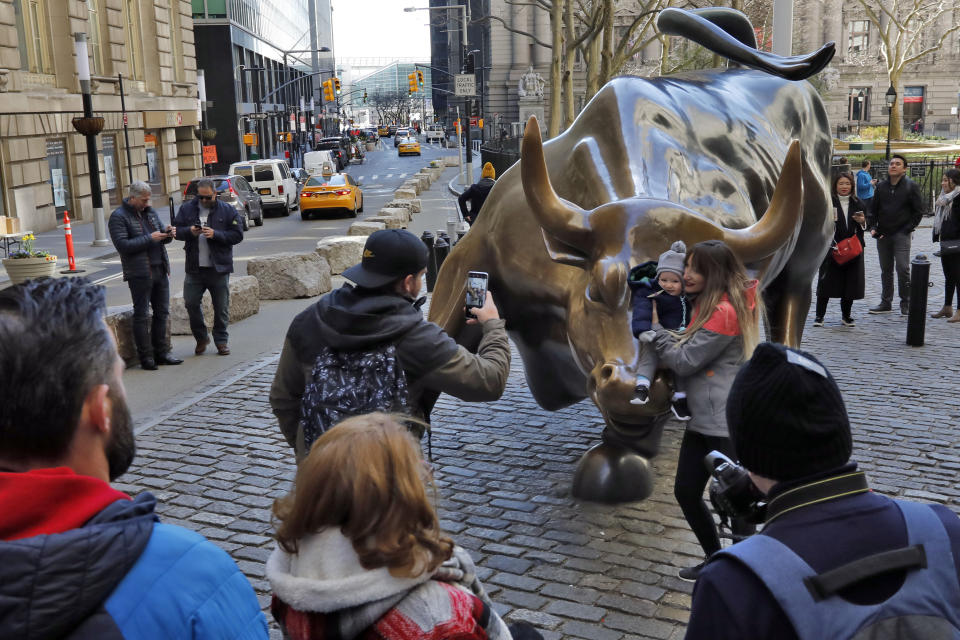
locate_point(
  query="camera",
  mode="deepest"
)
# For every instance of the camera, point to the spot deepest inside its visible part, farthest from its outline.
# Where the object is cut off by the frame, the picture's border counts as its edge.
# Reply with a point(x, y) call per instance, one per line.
point(732, 492)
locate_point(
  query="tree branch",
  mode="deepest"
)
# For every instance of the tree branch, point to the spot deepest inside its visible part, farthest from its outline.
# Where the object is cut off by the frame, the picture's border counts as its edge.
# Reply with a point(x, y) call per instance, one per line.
point(512, 30)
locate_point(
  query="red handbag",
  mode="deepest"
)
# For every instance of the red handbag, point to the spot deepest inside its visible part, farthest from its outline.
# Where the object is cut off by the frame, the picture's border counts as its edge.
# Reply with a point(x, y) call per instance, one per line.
point(847, 249)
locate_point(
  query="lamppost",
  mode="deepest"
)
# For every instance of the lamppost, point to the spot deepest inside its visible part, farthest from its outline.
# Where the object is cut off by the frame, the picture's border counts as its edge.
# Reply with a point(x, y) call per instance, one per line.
point(241, 69)
point(891, 97)
point(861, 104)
point(90, 126)
point(464, 10)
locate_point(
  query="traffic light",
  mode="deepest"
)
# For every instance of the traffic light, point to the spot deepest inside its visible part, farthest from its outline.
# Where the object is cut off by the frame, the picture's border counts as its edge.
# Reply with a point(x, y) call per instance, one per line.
point(328, 91)
point(364, 96)
point(420, 77)
point(336, 85)
point(412, 82)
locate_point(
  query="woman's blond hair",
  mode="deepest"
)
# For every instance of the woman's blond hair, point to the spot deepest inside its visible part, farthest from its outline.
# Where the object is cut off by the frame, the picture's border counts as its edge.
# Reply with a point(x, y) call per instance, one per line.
point(366, 477)
point(723, 273)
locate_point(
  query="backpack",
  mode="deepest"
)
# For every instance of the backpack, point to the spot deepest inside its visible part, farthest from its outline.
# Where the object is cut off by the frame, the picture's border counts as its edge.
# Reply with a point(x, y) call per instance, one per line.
point(927, 606)
point(350, 383)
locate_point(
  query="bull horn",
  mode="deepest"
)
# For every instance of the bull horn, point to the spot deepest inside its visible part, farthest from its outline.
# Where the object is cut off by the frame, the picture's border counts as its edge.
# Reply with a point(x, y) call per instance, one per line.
point(779, 223)
point(561, 219)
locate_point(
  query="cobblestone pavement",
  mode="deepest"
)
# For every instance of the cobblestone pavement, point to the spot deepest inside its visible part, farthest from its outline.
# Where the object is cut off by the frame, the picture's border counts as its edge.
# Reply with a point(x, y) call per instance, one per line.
point(503, 472)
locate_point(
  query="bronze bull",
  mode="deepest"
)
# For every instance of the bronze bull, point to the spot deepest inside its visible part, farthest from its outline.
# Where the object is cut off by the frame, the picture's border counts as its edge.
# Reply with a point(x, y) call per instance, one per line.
point(740, 154)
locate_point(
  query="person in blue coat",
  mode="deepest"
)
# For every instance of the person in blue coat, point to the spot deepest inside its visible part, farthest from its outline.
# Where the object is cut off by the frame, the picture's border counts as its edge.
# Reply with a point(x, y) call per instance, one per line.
point(79, 559)
point(865, 184)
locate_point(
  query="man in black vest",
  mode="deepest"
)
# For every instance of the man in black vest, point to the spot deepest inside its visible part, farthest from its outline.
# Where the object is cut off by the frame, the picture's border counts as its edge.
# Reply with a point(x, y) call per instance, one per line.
point(831, 550)
point(209, 229)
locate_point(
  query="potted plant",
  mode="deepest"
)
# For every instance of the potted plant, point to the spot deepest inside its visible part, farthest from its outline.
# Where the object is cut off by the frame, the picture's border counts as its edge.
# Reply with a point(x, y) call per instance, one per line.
point(28, 262)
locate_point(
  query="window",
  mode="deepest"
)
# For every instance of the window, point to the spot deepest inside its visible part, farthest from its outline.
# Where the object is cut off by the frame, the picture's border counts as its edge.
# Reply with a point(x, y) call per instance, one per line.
point(33, 39)
point(859, 103)
point(94, 44)
point(134, 39)
point(176, 44)
point(858, 37)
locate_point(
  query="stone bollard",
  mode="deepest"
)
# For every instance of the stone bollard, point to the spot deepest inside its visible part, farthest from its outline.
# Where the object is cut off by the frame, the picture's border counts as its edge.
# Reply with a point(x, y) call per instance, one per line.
point(291, 275)
point(341, 252)
point(364, 228)
point(412, 205)
point(396, 212)
point(404, 193)
point(244, 302)
point(389, 222)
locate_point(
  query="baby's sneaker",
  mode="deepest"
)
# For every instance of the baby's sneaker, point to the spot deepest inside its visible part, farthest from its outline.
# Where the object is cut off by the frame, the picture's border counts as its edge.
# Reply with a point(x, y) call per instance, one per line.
point(678, 405)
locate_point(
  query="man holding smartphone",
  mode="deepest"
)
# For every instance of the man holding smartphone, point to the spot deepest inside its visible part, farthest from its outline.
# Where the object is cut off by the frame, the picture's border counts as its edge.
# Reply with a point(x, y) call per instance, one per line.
point(209, 229)
point(383, 309)
point(139, 236)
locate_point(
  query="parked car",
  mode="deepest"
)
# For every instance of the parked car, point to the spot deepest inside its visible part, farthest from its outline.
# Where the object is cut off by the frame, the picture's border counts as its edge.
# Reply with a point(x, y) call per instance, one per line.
point(400, 135)
point(408, 146)
point(338, 192)
point(235, 191)
point(383, 130)
point(335, 146)
point(435, 133)
point(392, 130)
point(272, 180)
point(372, 134)
point(320, 162)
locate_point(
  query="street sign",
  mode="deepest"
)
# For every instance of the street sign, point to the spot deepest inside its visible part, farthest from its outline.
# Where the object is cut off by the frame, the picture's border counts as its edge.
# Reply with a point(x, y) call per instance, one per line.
point(258, 116)
point(465, 84)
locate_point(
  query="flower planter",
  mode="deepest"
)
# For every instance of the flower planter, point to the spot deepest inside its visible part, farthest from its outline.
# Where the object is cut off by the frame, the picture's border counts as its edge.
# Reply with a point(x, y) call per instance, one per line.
point(20, 269)
point(371, 146)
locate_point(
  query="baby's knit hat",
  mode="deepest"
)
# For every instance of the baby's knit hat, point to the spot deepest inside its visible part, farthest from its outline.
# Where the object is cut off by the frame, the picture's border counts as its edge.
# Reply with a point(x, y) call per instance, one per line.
point(672, 260)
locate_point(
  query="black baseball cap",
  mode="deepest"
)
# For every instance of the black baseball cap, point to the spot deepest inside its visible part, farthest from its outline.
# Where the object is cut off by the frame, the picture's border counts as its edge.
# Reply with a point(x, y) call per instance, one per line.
point(388, 255)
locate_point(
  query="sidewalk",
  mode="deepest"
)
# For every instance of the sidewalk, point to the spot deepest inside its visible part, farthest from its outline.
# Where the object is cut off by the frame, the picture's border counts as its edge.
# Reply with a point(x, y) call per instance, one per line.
point(54, 241)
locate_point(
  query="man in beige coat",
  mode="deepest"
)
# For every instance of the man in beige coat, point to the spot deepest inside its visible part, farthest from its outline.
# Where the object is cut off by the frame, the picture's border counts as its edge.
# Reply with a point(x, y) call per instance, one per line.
point(383, 309)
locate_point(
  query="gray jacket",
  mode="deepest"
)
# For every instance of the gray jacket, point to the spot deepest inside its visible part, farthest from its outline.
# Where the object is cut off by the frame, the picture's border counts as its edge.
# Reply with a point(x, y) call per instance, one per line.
point(707, 363)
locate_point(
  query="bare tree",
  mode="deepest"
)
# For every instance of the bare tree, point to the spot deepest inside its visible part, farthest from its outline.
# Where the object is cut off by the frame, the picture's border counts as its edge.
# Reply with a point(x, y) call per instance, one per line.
point(909, 30)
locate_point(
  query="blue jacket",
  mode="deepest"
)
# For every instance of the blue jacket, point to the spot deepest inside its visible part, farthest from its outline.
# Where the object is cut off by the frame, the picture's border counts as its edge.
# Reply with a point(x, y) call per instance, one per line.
point(864, 185)
point(227, 231)
point(130, 232)
point(730, 602)
point(124, 575)
point(673, 312)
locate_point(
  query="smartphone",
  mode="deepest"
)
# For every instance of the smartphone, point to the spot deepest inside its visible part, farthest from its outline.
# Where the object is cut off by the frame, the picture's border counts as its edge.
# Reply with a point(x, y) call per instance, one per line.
point(476, 291)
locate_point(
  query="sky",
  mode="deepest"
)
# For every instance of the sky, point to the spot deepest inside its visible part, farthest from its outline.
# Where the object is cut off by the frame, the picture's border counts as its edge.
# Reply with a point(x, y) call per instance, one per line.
point(380, 28)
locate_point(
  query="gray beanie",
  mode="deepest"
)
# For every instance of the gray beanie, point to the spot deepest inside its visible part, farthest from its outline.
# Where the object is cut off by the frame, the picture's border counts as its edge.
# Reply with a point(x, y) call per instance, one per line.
point(672, 260)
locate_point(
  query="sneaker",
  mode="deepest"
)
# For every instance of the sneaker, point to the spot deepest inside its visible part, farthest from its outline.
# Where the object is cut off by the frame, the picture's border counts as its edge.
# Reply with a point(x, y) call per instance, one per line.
point(641, 394)
point(818, 322)
point(883, 307)
point(848, 322)
point(680, 409)
point(904, 308)
point(690, 574)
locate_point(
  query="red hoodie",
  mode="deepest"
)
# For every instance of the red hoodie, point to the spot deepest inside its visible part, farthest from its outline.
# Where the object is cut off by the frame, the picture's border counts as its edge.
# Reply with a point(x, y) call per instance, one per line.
point(45, 501)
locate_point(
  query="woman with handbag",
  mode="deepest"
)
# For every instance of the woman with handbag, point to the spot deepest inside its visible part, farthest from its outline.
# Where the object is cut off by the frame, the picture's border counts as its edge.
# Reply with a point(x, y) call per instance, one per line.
point(946, 231)
point(841, 274)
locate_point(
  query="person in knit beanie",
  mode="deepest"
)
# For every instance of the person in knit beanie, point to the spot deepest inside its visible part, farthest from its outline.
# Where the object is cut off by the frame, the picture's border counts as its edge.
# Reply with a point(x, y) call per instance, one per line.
point(476, 194)
point(657, 289)
point(488, 171)
point(786, 416)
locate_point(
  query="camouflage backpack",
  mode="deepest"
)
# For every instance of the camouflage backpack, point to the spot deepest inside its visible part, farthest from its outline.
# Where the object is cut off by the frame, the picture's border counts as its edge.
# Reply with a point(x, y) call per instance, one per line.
point(349, 383)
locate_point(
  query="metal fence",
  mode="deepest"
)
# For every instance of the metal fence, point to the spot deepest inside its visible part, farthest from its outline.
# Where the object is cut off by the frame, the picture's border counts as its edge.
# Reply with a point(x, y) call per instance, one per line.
point(926, 172)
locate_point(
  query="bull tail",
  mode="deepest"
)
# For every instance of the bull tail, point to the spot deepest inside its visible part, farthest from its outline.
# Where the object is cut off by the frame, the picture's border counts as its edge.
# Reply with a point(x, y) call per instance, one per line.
point(728, 33)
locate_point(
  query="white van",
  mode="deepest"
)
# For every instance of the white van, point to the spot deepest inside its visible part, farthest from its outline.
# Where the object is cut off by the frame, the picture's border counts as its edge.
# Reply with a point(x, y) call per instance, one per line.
point(319, 162)
point(272, 180)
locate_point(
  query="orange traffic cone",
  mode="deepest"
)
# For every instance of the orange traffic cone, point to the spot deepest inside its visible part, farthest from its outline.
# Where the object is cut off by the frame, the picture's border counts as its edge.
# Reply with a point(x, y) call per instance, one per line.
point(68, 236)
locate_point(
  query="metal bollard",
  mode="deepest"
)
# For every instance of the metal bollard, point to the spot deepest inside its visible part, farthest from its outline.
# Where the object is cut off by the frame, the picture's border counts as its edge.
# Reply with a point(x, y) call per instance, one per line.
point(432, 269)
point(919, 287)
point(460, 234)
point(441, 248)
point(172, 216)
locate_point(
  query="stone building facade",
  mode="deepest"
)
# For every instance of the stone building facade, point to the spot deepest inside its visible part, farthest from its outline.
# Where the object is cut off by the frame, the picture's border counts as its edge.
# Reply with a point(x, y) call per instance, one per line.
point(43, 161)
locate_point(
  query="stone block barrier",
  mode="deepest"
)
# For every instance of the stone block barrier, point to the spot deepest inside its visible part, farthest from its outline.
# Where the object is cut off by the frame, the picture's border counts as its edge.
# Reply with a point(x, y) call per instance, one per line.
point(389, 222)
point(291, 275)
point(404, 193)
point(364, 228)
point(413, 205)
point(244, 302)
point(396, 212)
point(341, 252)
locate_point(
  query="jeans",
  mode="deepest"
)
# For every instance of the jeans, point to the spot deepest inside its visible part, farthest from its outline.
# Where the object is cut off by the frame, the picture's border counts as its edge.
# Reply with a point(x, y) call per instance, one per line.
point(894, 249)
point(218, 284)
point(151, 337)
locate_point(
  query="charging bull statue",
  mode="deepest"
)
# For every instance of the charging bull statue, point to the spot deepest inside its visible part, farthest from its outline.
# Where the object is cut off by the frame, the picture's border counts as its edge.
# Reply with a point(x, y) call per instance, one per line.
point(741, 154)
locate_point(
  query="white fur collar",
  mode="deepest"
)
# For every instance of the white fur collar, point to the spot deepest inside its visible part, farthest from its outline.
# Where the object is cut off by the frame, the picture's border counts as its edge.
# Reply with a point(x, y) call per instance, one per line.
point(325, 575)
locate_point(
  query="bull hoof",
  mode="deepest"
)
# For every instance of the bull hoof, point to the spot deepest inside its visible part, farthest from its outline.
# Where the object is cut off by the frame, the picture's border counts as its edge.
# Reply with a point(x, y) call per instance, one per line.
point(611, 475)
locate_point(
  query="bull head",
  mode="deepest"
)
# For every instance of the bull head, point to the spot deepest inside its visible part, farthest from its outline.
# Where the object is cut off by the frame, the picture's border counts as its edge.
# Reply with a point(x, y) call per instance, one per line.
point(604, 240)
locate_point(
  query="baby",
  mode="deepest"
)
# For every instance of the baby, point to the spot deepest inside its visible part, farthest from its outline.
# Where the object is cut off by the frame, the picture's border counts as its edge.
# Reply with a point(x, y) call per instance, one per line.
point(658, 288)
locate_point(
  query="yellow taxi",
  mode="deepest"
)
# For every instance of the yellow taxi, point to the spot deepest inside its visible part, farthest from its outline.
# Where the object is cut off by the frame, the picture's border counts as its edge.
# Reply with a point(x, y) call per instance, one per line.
point(335, 193)
point(408, 146)
point(383, 131)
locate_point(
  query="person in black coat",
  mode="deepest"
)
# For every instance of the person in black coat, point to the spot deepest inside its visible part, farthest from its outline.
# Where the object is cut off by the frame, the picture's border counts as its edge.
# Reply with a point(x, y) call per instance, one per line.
point(477, 193)
point(946, 226)
point(844, 281)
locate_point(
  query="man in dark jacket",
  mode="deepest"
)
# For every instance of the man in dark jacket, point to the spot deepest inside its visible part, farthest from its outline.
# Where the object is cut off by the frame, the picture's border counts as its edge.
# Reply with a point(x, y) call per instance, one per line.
point(790, 428)
point(209, 229)
point(81, 560)
point(894, 213)
point(383, 309)
point(477, 193)
point(139, 236)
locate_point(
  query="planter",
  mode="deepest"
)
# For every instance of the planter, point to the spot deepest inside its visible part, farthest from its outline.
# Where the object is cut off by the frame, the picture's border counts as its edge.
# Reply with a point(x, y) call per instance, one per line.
point(371, 146)
point(20, 269)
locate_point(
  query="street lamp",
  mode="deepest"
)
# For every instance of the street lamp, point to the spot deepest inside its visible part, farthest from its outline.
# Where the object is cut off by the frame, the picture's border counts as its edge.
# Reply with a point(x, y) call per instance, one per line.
point(891, 97)
point(90, 126)
point(862, 104)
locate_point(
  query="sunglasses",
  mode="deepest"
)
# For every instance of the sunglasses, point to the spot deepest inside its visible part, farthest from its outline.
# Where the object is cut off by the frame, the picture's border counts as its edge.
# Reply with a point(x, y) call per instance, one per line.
point(205, 197)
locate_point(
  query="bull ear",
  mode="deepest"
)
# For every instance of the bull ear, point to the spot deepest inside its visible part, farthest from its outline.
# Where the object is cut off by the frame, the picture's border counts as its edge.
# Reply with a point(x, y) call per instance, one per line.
point(564, 221)
point(564, 253)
